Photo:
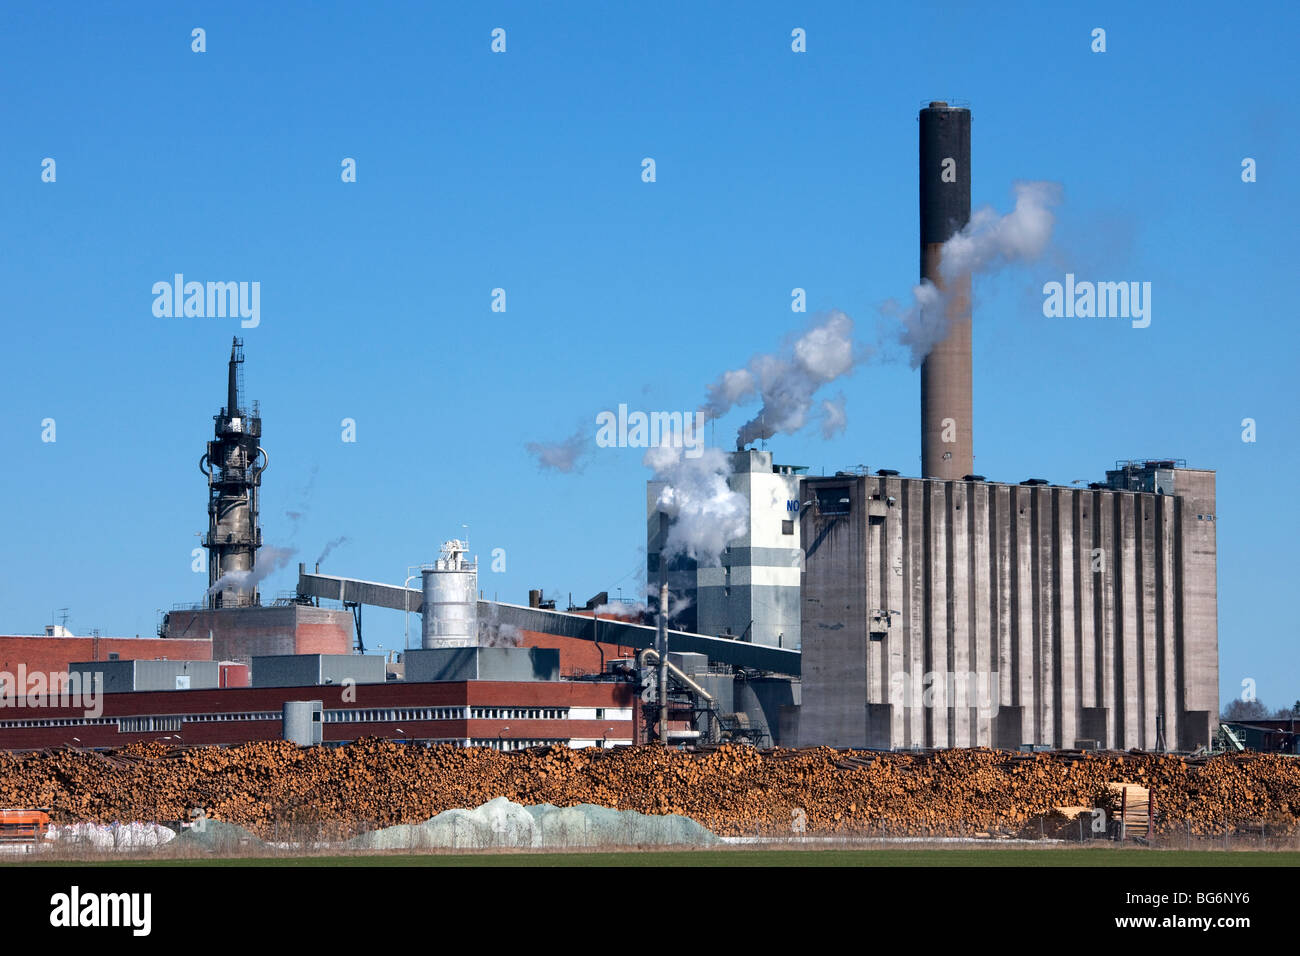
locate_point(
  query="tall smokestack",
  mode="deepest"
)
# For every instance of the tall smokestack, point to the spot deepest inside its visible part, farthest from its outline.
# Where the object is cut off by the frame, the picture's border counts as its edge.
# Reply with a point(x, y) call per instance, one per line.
point(946, 408)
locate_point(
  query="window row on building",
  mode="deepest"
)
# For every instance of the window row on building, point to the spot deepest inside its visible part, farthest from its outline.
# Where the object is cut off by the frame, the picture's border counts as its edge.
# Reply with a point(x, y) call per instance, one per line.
point(515, 743)
point(519, 713)
point(393, 714)
point(59, 722)
point(172, 722)
point(208, 718)
point(135, 725)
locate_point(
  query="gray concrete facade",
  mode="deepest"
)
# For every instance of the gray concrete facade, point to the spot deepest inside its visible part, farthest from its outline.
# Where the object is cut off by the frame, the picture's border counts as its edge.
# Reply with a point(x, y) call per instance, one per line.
point(482, 663)
point(123, 677)
point(310, 670)
point(969, 613)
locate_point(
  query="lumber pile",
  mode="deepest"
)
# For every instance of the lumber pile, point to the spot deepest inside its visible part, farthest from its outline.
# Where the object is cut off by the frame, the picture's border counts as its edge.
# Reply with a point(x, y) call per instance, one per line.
point(732, 790)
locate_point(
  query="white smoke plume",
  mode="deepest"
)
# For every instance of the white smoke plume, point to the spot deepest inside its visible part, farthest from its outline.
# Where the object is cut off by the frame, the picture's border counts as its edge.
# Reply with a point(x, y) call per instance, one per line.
point(990, 242)
point(786, 383)
point(269, 560)
point(635, 609)
point(834, 417)
point(731, 389)
point(330, 546)
point(704, 512)
point(925, 323)
point(562, 456)
point(639, 609)
point(985, 245)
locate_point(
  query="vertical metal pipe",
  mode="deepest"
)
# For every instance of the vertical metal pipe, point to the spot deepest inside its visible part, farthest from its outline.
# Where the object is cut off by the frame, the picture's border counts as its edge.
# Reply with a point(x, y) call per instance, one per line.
point(663, 649)
point(946, 401)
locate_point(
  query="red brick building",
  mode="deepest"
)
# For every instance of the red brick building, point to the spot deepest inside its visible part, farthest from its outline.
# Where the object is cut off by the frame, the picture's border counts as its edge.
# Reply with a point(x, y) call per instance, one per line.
point(498, 714)
point(51, 655)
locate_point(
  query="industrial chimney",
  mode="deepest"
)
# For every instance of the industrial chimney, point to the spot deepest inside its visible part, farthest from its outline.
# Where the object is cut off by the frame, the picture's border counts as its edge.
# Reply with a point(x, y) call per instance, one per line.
point(946, 411)
point(233, 464)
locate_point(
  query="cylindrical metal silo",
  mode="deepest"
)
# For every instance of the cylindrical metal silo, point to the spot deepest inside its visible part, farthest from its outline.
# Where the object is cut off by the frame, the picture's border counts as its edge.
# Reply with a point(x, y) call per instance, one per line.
point(451, 600)
point(947, 449)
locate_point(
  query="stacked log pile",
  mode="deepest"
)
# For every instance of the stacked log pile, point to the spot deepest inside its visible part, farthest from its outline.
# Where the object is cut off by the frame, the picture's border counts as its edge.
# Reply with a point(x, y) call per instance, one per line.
point(731, 790)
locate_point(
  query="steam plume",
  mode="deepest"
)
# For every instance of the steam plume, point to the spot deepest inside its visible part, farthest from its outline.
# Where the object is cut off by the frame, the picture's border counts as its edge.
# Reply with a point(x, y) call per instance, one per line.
point(330, 546)
point(562, 455)
point(704, 512)
point(985, 245)
point(787, 382)
point(269, 560)
point(834, 416)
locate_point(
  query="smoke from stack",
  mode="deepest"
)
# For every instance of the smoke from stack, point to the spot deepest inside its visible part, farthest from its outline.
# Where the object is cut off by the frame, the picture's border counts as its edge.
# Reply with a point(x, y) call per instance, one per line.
point(787, 382)
point(834, 416)
point(987, 244)
point(330, 546)
point(269, 560)
point(704, 513)
point(562, 456)
point(639, 609)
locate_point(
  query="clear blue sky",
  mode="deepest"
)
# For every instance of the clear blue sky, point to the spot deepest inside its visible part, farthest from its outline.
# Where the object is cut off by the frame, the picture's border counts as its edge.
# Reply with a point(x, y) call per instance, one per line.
point(522, 171)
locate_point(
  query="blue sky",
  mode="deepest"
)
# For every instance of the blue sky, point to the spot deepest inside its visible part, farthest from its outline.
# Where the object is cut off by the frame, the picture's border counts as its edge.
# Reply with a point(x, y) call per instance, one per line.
point(522, 171)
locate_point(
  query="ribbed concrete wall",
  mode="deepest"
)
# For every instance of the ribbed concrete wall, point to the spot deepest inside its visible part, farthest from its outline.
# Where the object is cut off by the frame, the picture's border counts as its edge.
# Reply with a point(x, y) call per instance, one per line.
point(954, 613)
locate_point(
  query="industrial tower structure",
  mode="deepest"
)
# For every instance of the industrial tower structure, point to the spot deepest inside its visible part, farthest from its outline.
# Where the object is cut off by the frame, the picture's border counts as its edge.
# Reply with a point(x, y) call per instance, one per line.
point(232, 616)
point(234, 475)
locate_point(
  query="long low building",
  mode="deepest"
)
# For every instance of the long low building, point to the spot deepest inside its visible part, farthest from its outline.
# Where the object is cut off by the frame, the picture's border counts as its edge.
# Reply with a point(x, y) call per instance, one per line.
point(505, 715)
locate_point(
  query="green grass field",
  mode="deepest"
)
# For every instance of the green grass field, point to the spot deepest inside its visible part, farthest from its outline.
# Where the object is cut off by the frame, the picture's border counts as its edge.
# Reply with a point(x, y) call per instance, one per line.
point(926, 857)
